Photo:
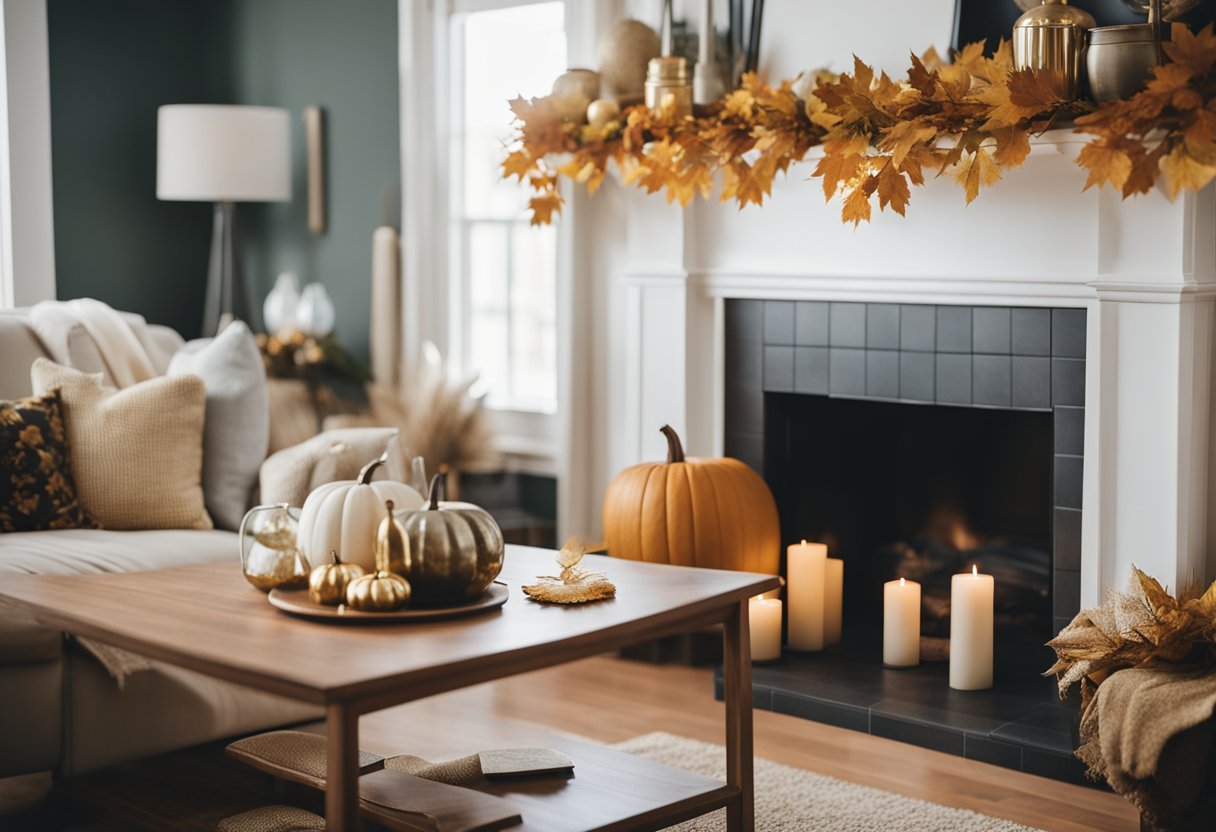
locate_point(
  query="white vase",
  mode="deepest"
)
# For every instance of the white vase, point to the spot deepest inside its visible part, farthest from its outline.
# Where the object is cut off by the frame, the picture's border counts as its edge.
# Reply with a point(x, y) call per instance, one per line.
point(279, 308)
point(315, 311)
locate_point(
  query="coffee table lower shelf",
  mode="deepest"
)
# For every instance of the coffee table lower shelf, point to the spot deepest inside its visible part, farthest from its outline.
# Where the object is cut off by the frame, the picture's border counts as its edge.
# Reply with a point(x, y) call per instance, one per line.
point(609, 791)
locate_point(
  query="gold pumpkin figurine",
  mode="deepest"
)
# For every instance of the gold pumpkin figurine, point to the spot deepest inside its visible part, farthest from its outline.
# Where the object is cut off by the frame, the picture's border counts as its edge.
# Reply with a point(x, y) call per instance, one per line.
point(392, 545)
point(327, 584)
point(381, 592)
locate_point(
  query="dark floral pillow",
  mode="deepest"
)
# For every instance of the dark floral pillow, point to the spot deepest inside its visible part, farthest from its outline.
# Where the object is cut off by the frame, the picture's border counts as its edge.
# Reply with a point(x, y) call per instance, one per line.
point(37, 489)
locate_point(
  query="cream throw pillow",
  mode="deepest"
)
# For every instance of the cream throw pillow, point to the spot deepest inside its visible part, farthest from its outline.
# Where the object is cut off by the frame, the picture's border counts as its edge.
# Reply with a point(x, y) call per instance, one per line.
point(137, 453)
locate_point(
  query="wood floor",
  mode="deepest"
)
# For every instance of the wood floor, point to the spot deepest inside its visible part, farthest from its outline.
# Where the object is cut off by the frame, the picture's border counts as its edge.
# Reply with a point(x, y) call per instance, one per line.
point(609, 700)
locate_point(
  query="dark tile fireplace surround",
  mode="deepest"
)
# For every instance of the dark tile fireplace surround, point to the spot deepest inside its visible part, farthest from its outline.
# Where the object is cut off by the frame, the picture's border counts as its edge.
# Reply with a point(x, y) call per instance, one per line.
point(1003, 358)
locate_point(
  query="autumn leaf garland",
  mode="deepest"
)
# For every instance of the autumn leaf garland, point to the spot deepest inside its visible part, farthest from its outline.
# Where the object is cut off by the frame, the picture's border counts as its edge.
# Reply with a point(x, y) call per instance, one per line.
point(971, 119)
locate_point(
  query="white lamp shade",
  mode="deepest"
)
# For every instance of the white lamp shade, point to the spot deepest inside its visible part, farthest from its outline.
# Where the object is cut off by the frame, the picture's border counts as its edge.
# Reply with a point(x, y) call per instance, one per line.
point(223, 152)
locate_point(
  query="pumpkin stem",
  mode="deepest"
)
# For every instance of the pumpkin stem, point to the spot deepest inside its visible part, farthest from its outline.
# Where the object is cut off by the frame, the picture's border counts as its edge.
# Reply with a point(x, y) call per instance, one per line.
point(388, 504)
point(365, 475)
point(433, 494)
point(675, 450)
point(333, 553)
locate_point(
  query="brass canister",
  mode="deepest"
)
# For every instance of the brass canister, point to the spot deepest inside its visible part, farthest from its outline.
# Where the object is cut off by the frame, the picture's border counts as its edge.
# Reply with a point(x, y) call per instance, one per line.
point(1051, 38)
point(668, 86)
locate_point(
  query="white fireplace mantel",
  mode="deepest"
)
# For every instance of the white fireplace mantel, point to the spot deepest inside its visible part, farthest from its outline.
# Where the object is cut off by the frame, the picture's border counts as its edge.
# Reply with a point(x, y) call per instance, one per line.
point(1144, 269)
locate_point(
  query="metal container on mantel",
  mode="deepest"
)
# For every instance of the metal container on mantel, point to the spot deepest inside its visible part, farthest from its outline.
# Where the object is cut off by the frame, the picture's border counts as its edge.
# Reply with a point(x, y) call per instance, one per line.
point(1120, 60)
point(1051, 38)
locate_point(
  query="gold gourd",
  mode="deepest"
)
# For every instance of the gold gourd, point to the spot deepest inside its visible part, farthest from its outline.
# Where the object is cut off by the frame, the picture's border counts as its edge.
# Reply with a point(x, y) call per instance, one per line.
point(392, 545)
point(327, 583)
point(378, 592)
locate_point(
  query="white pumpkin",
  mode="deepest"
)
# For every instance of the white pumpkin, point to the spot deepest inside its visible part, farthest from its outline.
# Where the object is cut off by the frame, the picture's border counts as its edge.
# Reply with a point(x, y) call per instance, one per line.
point(343, 516)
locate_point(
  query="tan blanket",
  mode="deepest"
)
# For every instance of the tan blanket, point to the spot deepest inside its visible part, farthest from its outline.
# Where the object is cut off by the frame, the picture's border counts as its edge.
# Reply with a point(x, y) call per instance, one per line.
point(1149, 733)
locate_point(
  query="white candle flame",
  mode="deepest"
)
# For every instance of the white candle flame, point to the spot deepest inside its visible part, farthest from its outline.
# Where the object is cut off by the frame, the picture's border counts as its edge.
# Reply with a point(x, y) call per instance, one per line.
point(975, 570)
point(804, 541)
point(902, 582)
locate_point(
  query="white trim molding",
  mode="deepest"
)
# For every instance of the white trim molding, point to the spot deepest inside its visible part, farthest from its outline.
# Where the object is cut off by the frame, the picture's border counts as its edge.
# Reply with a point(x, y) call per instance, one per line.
point(27, 237)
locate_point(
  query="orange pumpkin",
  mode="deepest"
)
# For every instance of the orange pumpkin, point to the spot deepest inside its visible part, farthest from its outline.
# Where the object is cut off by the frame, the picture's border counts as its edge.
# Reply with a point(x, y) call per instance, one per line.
point(717, 513)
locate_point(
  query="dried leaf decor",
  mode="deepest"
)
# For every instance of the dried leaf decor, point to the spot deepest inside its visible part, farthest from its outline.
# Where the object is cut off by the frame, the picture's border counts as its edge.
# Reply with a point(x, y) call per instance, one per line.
point(971, 119)
point(1142, 625)
point(574, 585)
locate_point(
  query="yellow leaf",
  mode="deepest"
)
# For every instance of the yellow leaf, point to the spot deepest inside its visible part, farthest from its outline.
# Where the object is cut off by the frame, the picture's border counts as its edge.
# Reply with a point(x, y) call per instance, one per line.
point(1185, 173)
point(836, 168)
point(892, 189)
point(1105, 164)
point(856, 207)
point(544, 206)
point(981, 169)
point(1012, 146)
point(1196, 52)
point(1168, 79)
point(518, 164)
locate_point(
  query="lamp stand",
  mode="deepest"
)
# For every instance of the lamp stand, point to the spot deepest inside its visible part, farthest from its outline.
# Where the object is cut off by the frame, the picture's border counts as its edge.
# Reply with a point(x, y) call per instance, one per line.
point(226, 297)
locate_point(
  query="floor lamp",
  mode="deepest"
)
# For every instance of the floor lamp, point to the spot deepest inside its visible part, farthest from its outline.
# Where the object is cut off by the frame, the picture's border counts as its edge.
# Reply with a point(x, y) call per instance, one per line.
point(224, 154)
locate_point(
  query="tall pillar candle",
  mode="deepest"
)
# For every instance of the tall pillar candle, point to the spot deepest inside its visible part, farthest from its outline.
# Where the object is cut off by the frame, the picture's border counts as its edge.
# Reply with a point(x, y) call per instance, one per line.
point(386, 305)
point(901, 623)
point(971, 631)
point(833, 600)
point(805, 567)
point(764, 621)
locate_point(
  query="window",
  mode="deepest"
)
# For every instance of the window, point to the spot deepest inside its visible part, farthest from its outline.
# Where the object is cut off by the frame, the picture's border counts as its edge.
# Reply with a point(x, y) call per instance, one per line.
point(503, 271)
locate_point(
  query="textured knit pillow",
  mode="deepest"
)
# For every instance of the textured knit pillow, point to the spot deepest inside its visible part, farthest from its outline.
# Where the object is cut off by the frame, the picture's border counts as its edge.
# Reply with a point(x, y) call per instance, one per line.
point(37, 489)
point(238, 419)
point(137, 453)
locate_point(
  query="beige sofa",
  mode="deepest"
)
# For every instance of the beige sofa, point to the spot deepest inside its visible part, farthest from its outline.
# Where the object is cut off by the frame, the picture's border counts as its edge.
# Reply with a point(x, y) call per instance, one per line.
point(59, 708)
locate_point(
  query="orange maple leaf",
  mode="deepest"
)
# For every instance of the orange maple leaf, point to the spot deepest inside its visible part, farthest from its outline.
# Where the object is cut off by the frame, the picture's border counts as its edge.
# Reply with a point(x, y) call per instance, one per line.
point(1184, 172)
point(1106, 164)
point(856, 207)
point(981, 169)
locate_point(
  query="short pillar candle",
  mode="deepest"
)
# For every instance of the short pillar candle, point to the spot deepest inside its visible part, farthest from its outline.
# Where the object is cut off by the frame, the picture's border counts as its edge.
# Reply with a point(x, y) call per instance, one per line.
point(971, 631)
point(764, 621)
point(805, 566)
point(901, 623)
point(833, 600)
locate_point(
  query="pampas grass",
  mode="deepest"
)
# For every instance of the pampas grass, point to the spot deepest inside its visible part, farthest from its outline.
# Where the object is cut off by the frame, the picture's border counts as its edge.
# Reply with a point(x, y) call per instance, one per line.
point(440, 418)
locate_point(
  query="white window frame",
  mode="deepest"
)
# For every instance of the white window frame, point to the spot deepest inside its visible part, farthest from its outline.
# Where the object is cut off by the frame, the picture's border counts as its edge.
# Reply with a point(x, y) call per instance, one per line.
point(530, 440)
point(27, 237)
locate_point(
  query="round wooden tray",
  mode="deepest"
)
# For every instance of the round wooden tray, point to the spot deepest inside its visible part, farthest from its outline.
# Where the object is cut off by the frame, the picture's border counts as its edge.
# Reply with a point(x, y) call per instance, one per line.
point(297, 602)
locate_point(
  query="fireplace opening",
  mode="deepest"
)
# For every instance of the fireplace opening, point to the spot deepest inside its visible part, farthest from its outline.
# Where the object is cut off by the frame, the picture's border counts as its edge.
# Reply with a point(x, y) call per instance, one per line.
point(921, 492)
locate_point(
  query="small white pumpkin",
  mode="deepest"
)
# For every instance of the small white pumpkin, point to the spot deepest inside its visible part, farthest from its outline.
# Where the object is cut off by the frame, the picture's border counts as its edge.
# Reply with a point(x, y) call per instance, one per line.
point(343, 516)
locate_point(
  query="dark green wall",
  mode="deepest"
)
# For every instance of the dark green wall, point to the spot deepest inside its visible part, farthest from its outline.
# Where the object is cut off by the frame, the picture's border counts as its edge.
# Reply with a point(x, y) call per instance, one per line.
point(341, 56)
point(111, 65)
point(114, 63)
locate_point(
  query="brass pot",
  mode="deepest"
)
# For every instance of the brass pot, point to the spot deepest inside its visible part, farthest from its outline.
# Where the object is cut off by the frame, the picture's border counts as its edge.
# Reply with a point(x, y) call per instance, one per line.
point(1051, 38)
point(1120, 60)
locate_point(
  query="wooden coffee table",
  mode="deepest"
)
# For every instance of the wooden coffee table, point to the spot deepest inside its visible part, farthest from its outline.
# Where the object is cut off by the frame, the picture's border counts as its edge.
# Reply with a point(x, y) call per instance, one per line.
point(208, 619)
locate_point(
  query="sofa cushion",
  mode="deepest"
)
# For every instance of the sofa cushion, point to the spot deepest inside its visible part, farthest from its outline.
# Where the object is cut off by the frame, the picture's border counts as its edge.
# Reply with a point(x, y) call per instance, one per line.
point(137, 453)
point(237, 426)
point(37, 489)
point(93, 551)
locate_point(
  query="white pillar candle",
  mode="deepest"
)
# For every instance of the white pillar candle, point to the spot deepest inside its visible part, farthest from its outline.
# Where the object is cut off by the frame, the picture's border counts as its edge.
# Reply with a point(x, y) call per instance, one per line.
point(901, 623)
point(805, 567)
point(764, 620)
point(386, 305)
point(833, 600)
point(971, 631)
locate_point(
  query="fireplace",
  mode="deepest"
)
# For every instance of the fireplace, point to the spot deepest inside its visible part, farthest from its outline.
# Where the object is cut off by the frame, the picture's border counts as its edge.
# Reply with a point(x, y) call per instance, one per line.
point(917, 440)
point(901, 491)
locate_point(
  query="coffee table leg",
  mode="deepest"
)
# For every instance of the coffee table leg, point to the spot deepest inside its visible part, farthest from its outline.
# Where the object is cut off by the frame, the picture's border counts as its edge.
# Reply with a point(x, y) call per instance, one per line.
point(342, 769)
point(737, 681)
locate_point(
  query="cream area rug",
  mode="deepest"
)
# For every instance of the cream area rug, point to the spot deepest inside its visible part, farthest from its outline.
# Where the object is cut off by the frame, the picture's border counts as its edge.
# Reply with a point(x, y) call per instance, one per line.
point(792, 800)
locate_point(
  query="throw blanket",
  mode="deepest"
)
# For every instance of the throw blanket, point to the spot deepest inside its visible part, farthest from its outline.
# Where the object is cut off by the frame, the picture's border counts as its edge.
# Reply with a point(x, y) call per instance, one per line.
point(1149, 733)
point(129, 353)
